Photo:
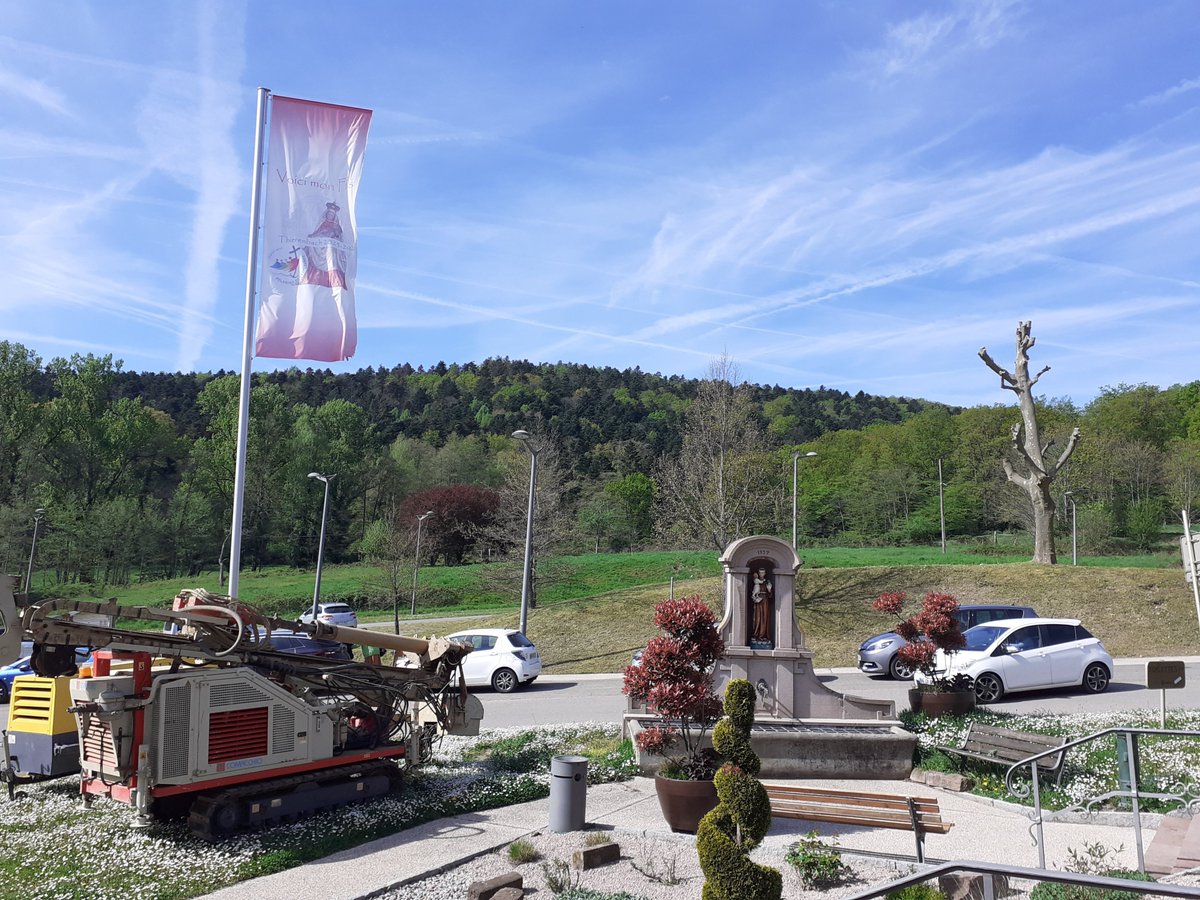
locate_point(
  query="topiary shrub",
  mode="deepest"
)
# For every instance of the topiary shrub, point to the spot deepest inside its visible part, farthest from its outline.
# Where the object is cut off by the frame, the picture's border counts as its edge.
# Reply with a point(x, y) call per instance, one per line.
point(740, 820)
point(917, 892)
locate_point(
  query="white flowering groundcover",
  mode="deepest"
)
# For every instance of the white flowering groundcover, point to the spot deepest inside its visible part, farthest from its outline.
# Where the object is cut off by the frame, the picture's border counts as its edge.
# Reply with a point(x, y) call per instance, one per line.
point(1166, 764)
point(52, 848)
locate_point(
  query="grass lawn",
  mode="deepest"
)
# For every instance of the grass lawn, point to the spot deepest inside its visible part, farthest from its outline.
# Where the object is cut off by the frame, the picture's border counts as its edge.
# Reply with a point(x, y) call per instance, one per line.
point(53, 848)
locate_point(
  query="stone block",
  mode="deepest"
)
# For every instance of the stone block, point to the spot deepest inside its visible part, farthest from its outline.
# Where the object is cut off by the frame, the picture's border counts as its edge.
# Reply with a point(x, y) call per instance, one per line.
point(509, 893)
point(490, 888)
point(949, 781)
point(593, 857)
point(969, 886)
point(918, 775)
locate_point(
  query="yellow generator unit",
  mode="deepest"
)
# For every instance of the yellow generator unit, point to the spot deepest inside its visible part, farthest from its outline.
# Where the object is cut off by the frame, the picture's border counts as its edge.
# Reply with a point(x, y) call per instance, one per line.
point(42, 739)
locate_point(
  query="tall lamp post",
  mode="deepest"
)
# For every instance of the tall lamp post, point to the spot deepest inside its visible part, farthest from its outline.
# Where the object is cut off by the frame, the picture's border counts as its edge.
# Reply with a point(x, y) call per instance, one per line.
point(416, 566)
point(1069, 496)
point(942, 505)
point(321, 543)
point(526, 578)
point(37, 520)
point(795, 457)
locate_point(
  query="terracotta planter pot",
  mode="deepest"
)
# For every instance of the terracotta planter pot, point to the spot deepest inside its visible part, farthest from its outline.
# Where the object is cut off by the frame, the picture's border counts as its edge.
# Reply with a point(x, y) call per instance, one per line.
point(952, 703)
point(684, 803)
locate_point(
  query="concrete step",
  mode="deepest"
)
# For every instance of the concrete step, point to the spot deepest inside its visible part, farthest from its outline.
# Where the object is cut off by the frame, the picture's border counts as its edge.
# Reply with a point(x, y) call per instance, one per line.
point(1163, 853)
point(1189, 849)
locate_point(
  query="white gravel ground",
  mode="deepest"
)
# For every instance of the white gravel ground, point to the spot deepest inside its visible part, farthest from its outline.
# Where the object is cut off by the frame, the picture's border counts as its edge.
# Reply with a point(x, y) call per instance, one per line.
point(655, 854)
point(664, 856)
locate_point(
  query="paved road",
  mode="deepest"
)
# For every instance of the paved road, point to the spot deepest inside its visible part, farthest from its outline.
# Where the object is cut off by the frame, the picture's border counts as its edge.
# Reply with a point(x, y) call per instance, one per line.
point(598, 698)
point(578, 698)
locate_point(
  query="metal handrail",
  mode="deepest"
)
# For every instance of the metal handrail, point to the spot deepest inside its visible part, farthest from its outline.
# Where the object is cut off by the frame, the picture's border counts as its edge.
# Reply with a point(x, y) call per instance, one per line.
point(1134, 794)
point(974, 867)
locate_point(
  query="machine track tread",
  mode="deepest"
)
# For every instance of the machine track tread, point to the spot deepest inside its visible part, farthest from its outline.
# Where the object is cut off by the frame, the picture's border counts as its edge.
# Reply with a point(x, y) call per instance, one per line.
point(220, 814)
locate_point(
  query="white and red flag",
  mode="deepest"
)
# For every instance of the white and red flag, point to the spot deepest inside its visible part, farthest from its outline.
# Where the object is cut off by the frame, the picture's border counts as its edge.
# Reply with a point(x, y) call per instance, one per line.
point(310, 237)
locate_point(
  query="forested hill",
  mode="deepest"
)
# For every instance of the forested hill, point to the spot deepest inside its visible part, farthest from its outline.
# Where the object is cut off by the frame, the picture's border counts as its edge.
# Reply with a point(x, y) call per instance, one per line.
point(583, 406)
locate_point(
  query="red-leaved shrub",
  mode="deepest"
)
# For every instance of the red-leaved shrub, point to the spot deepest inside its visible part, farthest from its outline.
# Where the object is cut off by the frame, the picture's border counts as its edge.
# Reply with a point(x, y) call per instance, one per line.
point(931, 628)
point(675, 682)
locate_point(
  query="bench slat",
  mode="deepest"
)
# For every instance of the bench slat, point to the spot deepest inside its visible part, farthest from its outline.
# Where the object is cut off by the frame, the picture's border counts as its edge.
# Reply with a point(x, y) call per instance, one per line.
point(850, 817)
point(882, 805)
point(834, 794)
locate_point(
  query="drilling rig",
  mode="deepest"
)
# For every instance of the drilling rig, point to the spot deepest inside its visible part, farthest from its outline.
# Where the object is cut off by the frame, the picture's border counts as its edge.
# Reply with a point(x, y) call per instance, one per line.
point(189, 711)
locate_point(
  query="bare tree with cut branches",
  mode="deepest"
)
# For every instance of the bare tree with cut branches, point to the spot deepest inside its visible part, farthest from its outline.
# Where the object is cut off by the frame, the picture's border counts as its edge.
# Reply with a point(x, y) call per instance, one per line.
point(1038, 475)
point(719, 487)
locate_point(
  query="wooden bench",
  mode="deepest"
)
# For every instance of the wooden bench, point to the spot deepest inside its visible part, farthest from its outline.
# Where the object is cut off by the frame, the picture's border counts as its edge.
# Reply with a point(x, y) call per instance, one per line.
point(1004, 747)
point(919, 815)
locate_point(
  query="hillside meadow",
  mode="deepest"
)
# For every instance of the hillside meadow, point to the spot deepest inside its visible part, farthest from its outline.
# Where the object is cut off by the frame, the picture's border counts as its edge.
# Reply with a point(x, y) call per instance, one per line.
point(602, 610)
point(1135, 612)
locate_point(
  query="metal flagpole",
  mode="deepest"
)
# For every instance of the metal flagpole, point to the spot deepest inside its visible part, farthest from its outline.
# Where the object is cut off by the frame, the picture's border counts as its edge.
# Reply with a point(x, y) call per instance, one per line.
point(243, 428)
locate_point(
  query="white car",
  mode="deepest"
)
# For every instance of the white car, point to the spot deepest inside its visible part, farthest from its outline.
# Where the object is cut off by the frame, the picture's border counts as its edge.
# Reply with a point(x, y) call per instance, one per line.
point(500, 657)
point(332, 614)
point(1025, 655)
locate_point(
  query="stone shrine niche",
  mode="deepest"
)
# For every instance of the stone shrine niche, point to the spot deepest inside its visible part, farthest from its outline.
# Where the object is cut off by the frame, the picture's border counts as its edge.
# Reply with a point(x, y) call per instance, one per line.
point(760, 590)
point(759, 587)
point(764, 643)
point(802, 728)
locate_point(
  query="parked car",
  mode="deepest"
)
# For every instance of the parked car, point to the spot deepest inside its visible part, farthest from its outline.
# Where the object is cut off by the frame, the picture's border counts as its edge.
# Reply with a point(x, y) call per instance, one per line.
point(877, 655)
point(332, 614)
point(500, 657)
point(1025, 655)
point(305, 645)
point(22, 667)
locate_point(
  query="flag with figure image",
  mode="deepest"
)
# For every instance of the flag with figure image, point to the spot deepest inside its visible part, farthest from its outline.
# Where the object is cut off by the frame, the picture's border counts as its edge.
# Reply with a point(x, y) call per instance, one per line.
point(310, 236)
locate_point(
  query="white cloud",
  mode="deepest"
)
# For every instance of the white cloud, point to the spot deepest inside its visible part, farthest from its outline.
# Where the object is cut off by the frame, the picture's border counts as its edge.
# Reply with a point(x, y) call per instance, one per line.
point(186, 123)
point(36, 92)
point(1184, 87)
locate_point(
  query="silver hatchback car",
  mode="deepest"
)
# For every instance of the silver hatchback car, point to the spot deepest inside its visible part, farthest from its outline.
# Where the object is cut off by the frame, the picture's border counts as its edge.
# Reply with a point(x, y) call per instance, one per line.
point(877, 655)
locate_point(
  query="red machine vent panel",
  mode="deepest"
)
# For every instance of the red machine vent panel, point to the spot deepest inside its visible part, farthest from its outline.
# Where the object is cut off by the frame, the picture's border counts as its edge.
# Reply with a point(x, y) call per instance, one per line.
point(237, 734)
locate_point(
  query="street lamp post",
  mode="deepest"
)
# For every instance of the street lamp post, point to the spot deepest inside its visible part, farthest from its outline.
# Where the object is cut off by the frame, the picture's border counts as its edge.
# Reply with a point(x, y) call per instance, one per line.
point(321, 543)
point(795, 457)
point(416, 566)
point(527, 576)
point(942, 505)
point(1069, 496)
point(37, 520)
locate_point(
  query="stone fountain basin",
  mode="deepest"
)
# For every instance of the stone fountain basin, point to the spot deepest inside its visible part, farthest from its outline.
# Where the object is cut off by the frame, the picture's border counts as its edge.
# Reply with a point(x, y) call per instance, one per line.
point(814, 748)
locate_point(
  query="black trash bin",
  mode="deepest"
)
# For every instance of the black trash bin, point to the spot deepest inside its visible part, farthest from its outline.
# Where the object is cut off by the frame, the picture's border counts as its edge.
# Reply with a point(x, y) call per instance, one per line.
point(568, 793)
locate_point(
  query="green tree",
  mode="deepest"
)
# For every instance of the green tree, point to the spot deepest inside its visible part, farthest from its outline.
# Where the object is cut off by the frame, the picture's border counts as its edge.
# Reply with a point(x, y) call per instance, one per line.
point(1144, 523)
point(20, 415)
point(1136, 413)
point(633, 500)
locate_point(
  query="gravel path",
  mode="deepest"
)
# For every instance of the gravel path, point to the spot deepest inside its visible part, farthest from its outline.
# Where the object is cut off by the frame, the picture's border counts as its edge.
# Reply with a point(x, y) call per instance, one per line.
point(655, 867)
point(659, 855)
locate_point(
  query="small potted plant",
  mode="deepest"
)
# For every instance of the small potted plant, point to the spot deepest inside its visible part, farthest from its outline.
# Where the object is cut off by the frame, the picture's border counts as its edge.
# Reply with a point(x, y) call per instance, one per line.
point(931, 628)
point(674, 678)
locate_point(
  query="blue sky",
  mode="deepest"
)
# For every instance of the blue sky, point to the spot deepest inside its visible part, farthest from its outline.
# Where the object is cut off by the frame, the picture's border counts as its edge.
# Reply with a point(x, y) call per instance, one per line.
point(858, 195)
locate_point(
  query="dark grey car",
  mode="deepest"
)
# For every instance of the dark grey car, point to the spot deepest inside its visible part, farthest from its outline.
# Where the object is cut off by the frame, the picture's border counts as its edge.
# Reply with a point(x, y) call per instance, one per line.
point(877, 655)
